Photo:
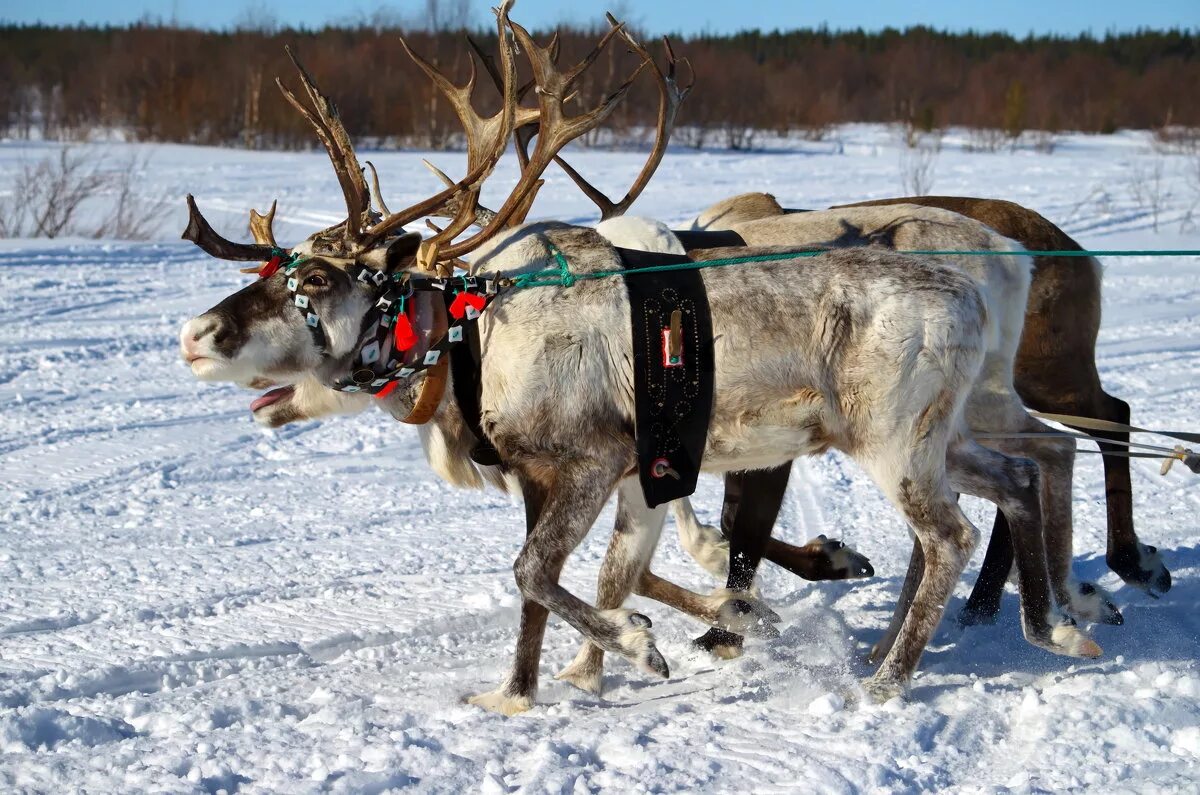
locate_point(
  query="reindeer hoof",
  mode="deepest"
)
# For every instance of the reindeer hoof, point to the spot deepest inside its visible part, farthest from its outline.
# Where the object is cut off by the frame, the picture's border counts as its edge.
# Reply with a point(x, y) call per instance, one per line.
point(1141, 567)
point(1068, 640)
point(720, 644)
point(635, 642)
point(502, 703)
point(748, 616)
point(656, 663)
point(976, 616)
point(883, 690)
point(841, 561)
point(1093, 605)
point(586, 671)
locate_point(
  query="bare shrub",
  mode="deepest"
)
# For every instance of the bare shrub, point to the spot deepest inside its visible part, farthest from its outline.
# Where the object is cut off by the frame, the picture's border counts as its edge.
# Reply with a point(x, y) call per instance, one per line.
point(918, 161)
point(738, 137)
point(814, 132)
point(46, 198)
point(692, 135)
point(133, 216)
point(1043, 141)
point(1192, 174)
point(986, 139)
point(1148, 188)
point(47, 194)
point(1176, 139)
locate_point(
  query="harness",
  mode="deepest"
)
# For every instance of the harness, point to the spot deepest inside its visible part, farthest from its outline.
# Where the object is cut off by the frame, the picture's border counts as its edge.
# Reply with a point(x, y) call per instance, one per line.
point(673, 373)
point(386, 332)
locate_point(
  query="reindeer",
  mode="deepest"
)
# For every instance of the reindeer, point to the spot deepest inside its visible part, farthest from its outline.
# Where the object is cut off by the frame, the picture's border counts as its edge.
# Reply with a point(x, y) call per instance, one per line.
point(992, 406)
point(879, 361)
point(1054, 371)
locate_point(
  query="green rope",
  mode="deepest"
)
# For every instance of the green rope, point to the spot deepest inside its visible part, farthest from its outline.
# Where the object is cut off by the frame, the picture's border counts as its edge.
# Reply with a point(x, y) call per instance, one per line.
point(561, 276)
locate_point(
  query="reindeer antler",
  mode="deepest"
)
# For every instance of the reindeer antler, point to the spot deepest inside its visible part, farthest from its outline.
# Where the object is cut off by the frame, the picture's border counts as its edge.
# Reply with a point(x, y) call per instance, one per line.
point(526, 130)
point(327, 122)
point(261, 231)
point(671, 96)
point(261, 225)
point(557, 129)
point(487, 138)
point(200, 232)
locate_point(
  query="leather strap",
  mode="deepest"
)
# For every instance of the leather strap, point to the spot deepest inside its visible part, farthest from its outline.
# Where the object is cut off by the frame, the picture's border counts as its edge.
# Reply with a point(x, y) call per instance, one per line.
point(466, 362)
point(433, 388)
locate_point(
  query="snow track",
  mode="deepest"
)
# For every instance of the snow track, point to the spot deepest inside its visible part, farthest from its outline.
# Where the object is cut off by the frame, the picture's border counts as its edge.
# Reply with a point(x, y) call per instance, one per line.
point(191, 604)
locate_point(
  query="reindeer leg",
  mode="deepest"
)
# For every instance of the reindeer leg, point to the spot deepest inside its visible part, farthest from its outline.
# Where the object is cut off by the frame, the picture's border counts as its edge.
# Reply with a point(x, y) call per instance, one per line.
point(517, 693)
point(634, 540)
point(628, 555)
point(1139, 565)
point(752, 503)
point(703, 543)
point(984, 603)
point(819, 559)
point(1014, 485)
point(1055, 458)
point(912, 579)
point(946, 539)
point(573, 501)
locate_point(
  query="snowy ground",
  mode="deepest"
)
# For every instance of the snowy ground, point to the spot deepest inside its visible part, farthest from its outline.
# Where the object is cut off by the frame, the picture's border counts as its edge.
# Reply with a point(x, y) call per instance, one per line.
point(189, 603)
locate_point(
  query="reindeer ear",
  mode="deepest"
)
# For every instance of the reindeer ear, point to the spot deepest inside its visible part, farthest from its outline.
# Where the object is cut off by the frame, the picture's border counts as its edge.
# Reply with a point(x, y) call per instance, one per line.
point(400, 253)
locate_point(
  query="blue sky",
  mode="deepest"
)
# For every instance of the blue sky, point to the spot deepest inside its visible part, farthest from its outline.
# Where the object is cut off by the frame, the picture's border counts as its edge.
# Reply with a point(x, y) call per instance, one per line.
point(1016, 16)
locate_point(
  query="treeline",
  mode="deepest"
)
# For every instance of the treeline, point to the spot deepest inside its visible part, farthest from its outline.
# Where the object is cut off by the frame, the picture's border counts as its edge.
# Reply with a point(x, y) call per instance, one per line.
point(159, 83)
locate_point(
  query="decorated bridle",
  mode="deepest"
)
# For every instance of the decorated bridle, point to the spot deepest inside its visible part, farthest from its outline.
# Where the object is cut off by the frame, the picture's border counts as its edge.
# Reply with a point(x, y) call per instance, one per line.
point(387, 332)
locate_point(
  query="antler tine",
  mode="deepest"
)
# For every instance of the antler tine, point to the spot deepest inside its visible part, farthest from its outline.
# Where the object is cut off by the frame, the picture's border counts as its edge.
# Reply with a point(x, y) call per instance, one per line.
point(557, 129)
point(337, 143)
point(527, 118)
point(450, 209)
point(459, 98)
point(496, 133)
point(200, 232)
point(671, 96)
point(376, 191)
point(261, 225)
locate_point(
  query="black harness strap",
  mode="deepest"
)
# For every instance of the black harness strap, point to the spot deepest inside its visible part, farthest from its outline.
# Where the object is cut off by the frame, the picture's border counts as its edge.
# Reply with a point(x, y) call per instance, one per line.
point(466, 363)
point(698, 239)
point(673, 374)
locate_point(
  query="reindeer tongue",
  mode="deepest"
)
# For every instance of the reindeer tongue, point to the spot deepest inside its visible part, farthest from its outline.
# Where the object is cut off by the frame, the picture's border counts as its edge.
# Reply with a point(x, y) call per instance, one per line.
point(274, 396)
point(427, 313)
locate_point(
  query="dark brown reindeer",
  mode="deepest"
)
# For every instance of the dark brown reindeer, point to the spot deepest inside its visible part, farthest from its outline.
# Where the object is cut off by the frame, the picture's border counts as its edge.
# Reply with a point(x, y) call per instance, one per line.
point(556, 369)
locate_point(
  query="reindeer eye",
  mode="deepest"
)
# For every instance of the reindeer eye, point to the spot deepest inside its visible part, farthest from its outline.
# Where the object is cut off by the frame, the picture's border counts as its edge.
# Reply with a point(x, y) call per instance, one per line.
point(316, 280)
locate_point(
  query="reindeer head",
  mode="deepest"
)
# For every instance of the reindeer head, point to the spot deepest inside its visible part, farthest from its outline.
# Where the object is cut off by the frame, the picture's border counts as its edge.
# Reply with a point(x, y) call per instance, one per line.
point(307, 318)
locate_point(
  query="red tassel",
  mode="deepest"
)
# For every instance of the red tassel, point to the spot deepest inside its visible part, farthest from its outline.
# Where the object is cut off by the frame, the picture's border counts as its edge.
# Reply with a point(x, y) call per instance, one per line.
point(404, 334)
point(458, 307)
point(388, 389)
point(268, 269)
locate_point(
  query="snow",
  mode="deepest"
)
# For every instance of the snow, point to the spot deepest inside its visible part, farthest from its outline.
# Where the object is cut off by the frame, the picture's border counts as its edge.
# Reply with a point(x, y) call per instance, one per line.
point(191, 604)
